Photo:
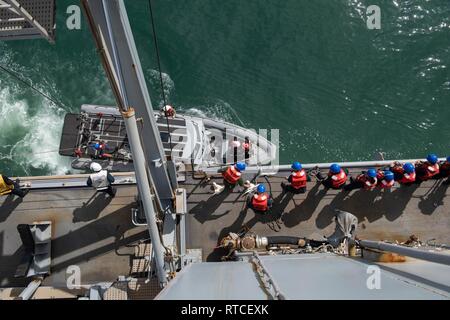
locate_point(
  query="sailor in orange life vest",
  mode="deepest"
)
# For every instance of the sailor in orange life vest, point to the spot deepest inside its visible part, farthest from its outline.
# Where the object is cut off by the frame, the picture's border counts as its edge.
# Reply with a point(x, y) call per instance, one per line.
point(444, 170)
point(385, 179)
point(428, 169)
point(335, 179)
point(260, 202)
point(233, 174)
point(405, 175)
point(7, 186)
point(366, 180)
point(297, 180)
point(168, 111)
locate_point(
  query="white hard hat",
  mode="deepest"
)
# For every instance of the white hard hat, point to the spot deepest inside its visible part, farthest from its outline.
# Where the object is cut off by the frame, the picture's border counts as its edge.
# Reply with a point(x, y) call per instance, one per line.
point(167, 107)
point(95, 167)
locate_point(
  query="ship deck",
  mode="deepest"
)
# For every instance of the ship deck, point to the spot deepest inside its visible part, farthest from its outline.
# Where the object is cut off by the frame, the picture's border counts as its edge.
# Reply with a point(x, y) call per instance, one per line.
point(89, 230)
point(421, 210)
point(95, 233)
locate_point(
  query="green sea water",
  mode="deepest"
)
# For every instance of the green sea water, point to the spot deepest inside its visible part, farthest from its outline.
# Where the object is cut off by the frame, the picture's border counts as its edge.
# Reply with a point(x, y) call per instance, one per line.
point(335, 89)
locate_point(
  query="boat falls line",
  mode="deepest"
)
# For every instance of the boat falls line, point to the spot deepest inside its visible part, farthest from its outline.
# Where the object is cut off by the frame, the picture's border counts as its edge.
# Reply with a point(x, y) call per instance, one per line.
point(17, 77)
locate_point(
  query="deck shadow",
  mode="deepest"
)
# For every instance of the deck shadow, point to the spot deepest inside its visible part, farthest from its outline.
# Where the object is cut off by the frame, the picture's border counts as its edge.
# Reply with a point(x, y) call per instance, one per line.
point(360, 204)
point(204, 210)
point(433, 198)
point(393, 204)
point(92, 208)
point(306, 208)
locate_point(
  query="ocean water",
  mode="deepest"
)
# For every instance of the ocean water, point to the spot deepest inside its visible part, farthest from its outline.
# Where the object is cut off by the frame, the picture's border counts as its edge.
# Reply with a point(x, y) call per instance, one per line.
point(312, 69)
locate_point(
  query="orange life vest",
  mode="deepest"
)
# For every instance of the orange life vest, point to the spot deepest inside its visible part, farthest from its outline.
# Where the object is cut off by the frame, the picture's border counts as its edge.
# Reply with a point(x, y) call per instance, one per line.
point(368, 183)
point(430, 170)
point(382, 183)
point(339, 179)
point(386, 184)
point(298, 179)
point(232, 175)
point(260, 202)
point(407, 178)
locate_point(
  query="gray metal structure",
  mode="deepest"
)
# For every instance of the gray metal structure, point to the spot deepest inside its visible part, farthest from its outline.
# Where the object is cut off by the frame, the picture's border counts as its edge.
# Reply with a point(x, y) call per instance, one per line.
point(112, 33)
point(27, 19)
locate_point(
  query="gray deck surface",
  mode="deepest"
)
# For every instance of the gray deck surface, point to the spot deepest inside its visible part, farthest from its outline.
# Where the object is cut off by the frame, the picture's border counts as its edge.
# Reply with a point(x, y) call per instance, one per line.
point(97, 236)
point(308, 276)
point(422, 210)
point(93, 236)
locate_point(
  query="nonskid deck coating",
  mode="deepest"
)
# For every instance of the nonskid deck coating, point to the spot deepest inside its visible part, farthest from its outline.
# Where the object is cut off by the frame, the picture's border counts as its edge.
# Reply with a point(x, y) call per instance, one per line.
point(422, 210)
point(96, 233)
point(89, 230)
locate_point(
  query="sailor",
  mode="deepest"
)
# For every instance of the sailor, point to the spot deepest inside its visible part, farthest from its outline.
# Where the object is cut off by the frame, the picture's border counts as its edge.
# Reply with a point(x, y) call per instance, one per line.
point(101, 180)
point(385, 179)
point(335, 179)
point(404, 174)
point(102, 149)
point(7, 186)
point(260, 202)
point(297, 179)
point(246, 147)
point(366, 180)
point(168, 111)
point(233, 174)
point(428, 169)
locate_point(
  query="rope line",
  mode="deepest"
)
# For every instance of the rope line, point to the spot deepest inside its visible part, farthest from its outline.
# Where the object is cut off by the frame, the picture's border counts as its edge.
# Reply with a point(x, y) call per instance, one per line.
point(20, 79)
point(155, 41)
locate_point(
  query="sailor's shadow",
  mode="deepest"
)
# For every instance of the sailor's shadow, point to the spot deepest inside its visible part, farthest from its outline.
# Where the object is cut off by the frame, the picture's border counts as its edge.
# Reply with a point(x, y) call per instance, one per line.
point(393, 204)
point(304, 210)
point(433, 198)
point(360, 203)
point(92, 208)
point(9, 205)
point(205, 209)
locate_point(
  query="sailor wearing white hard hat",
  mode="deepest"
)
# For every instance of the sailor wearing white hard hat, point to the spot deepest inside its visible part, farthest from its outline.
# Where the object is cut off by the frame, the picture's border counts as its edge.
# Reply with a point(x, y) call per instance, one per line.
point(101, 179)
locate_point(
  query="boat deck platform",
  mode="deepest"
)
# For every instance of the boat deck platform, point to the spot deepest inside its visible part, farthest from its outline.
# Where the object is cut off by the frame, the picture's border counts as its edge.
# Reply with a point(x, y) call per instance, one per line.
point(96, 234)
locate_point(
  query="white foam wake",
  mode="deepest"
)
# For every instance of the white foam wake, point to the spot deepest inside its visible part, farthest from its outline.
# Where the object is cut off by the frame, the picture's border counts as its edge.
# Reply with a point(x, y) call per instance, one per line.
point(34, 138)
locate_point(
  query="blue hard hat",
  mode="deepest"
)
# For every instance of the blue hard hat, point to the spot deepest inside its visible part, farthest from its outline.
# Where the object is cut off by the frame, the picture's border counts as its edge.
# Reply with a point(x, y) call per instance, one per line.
point(240, 166)
point(335, 168)
point(432, 158)
point(388, 175)
point(97, 145)
point(408, 167)
point(261, 188)
point(296, 166)
point(372, 173)
point(448, 159)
